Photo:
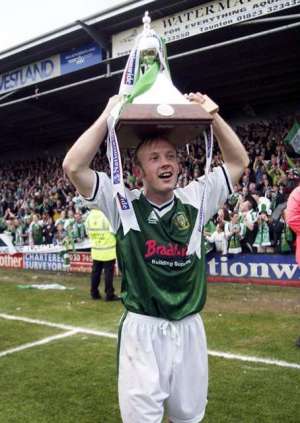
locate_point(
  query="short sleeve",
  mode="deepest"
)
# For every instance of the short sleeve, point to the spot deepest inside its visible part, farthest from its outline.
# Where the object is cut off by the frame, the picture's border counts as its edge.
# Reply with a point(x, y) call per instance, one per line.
point(219, 188)
point(102, 199)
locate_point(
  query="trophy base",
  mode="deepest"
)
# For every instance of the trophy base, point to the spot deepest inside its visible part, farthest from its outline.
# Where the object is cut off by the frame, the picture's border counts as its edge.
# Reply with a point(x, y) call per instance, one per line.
point(179, 123)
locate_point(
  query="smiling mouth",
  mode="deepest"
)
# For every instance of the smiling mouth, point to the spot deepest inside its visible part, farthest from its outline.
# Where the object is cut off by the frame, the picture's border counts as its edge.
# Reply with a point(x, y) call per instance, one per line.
point(165, 175)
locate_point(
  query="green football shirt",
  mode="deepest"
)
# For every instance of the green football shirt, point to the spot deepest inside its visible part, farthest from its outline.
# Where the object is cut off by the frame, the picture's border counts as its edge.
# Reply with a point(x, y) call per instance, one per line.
point(158, 277)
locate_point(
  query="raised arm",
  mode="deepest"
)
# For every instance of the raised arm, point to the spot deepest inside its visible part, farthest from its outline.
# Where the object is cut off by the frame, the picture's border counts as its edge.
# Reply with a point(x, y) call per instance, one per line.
point(233, 152)
point(78, 159)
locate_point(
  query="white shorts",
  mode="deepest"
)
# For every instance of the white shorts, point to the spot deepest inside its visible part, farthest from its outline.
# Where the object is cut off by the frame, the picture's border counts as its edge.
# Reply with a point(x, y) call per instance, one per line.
point(162, 363)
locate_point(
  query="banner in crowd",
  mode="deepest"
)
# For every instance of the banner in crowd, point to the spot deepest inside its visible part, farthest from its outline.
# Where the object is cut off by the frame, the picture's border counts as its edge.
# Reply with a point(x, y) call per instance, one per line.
point(51, 67)
point(269, 269)
point(200, 19)
point(293, 137)
point(6, 246)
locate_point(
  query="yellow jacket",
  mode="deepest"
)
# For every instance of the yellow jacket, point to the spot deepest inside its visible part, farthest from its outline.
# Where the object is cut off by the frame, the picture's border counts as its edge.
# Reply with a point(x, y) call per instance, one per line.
point(103, 241)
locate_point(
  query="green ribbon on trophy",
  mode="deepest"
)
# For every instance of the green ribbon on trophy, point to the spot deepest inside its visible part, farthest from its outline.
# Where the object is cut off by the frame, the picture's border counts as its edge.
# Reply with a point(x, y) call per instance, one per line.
point(141, 72)
point(146, 74)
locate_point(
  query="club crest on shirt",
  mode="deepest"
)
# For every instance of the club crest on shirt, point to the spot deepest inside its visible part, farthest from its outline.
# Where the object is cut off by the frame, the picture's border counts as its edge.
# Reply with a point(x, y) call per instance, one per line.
point(181, 221)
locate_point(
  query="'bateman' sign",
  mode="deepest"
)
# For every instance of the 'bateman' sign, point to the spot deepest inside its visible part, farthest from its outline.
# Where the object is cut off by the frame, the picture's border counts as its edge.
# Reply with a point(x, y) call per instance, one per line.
point(203, 18)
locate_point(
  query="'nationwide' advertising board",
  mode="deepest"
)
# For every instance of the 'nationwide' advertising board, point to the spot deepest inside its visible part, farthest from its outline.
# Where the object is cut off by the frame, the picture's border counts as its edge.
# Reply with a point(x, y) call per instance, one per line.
point(266, 269)
point(275, 269)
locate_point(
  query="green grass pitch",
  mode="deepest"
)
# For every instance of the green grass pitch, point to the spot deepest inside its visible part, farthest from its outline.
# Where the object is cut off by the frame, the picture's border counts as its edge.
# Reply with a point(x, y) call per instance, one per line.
point(73, 379)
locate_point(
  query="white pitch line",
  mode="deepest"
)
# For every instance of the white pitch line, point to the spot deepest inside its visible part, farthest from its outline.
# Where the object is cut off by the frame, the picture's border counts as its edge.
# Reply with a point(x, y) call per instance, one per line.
point(220, 354)
point(253, 359)
point(59, 326)
point(40, 342)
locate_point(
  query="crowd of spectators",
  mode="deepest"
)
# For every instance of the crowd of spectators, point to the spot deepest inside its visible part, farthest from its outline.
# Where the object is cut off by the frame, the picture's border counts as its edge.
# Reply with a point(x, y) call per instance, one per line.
point(38, 205)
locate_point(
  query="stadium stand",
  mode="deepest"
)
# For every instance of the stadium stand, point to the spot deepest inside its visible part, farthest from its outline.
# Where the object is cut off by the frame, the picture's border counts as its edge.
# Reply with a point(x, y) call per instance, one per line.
point(38, 205)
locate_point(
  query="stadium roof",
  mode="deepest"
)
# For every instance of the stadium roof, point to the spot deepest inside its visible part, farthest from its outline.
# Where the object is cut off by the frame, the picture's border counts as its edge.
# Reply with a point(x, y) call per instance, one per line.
point(251, 64)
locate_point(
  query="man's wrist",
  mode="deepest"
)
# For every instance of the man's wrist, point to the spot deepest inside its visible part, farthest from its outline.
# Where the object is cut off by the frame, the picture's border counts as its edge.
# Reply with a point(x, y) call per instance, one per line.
point(217, 120)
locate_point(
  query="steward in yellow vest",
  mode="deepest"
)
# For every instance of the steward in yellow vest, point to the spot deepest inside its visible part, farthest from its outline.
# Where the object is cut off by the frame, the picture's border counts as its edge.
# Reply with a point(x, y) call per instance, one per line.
point(103, 241)
point(103, 251)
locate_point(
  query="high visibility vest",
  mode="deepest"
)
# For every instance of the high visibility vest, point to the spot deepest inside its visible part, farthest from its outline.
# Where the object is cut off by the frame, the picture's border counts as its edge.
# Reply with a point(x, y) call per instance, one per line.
point(103, 241)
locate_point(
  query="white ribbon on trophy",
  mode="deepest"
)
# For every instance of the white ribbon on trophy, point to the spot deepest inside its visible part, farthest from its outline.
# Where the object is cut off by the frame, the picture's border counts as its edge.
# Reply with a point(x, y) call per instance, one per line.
point(146, 74)
point(195, 243)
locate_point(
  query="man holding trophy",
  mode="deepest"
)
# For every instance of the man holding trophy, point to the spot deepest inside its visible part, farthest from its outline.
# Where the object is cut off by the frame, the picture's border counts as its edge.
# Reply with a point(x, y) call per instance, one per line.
point(162, 344)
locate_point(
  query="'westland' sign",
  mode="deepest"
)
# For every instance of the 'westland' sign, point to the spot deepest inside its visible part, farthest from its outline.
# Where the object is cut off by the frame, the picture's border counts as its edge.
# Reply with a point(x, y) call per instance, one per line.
point(51, 67)
point(249, 267)
point(200, 19)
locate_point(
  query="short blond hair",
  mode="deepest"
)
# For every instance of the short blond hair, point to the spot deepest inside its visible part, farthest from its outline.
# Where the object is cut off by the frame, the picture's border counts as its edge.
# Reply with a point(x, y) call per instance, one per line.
point(148, 140)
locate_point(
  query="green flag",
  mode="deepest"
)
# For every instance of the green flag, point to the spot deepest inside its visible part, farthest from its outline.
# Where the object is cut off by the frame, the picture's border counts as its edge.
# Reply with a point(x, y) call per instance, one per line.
point(293, 137)
point(290, 162)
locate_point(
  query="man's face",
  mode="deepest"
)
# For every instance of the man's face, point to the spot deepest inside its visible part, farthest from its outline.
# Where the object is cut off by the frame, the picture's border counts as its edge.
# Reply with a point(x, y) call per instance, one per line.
point(245, 206)
point(158, 167)
point(252, 187)
point(235, 218)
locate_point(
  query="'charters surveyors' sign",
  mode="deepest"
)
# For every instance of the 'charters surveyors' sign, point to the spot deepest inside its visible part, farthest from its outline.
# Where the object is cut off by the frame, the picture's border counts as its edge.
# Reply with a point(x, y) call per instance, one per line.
point(51, 67)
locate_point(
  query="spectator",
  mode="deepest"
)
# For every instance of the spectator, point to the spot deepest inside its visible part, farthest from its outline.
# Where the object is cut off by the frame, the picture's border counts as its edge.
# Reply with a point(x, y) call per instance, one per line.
point(262, 240)
point(48, 230)
point(78, 229)
point(209, 228)
point(59, 234)
point(35, 231)
point(222, 215)
point(234, 197)
point(248, 216)
point(19, 232)
point(235, 232)
point(218, 238)
point(61, 218)
point(283, 236)
point(277, 197)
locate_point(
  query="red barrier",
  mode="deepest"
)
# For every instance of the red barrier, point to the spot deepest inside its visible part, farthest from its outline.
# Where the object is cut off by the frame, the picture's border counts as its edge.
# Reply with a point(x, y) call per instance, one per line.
point(254, 281)
point(11, 261)
point(80, 262)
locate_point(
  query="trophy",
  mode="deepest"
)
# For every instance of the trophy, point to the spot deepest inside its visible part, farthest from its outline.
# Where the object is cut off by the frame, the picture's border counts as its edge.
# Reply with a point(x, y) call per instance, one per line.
point(153, 105)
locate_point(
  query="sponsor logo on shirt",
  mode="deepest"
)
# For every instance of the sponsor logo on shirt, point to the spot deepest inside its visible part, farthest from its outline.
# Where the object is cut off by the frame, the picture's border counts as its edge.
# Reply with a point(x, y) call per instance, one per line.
point(171, 255)
point(169, 250)
point(152, 218)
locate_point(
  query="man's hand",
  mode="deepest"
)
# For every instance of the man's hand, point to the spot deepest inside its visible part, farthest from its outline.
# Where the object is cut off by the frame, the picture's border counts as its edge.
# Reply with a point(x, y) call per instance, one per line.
point(233, 152)
point(112, 102)
point(77, 161)
point(208, 105)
